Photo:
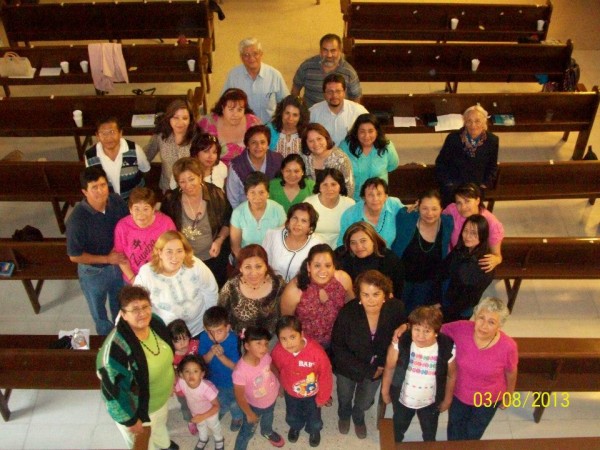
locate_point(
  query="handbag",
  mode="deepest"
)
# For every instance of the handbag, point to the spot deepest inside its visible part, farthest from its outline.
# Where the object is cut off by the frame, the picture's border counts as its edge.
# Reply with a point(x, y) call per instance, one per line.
point(13, 65)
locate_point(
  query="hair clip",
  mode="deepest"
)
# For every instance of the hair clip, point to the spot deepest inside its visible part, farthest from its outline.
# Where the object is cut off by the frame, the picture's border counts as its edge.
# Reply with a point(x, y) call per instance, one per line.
point(243, 333)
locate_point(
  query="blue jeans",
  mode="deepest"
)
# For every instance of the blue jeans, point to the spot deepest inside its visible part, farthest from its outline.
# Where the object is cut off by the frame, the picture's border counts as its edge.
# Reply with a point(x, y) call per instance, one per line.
point(227, 402)
point(98, 284)
point(265, 416)
point(467, 422)
point(362, 393)
point(303, 413)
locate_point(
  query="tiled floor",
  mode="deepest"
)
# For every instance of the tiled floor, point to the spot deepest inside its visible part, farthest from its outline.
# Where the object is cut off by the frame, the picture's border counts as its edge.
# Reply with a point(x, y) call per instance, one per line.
point(290, 30)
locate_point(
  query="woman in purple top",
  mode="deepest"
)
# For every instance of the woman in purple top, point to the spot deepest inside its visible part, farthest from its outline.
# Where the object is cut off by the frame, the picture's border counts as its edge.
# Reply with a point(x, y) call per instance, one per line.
point(468, 202)
point(486, 360)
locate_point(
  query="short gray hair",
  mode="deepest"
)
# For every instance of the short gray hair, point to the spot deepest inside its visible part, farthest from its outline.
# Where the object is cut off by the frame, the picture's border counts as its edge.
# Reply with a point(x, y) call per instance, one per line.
point(494, 305)
point(479, 110)
point(249, 42)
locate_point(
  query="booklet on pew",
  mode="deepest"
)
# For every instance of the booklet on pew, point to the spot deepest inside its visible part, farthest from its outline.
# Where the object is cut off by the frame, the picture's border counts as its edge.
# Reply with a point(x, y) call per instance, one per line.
point(507, 120)
point(6, 268)
point(143, 120)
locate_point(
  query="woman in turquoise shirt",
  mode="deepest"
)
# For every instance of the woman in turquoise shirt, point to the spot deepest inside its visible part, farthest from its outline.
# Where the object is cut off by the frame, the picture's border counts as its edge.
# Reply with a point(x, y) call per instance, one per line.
point(371, 154)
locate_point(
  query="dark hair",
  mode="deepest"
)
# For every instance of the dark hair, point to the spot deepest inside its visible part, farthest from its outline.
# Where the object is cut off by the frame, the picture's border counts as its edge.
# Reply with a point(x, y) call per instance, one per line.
point(354, 144)
point(375, 278)
point(431, 193)
point(379, 244)
point(303, 280)
point(130, 294)
point(373, 182)
point(254, 251)
point(427, 315)
point(334, 173)
point(483, 233)
point(254, 179)
point(164, 124)
point(202, 142)
point(215, 316)
point(469, 190)
point(297, 102)
point(196, 359)
point(178, 328)
point(306, 207)
point(256, 129)
point(293, 157)
point(334, 78)
point(288, 322)
point(253, 333)
point(91, 174)
point(231, 95)
point(319, 129)
point(108, 119)
point(331, 37)
point(141, 194)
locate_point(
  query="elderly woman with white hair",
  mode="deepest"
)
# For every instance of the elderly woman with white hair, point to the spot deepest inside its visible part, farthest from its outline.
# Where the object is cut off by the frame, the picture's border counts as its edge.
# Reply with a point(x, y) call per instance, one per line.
point(469, 155)
point(486, 361)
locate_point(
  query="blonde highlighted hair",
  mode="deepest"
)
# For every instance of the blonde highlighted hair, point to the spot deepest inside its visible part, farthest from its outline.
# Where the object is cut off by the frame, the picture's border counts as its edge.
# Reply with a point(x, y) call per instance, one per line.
point(159, 245)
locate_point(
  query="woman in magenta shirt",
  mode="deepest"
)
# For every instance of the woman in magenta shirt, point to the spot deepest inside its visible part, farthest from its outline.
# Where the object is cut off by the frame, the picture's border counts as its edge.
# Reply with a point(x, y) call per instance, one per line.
point(486, 361)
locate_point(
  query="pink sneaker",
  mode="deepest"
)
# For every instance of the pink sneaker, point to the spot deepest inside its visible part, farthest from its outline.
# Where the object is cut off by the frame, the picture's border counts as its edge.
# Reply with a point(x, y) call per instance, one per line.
point(193, 428)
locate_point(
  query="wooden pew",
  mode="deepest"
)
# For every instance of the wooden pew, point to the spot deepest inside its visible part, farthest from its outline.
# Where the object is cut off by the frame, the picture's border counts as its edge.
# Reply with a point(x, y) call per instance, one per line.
point(26, 362)
point(516, 181)
point(431, 21)
point(451, 62)
point(540, 111)
point(56, 182)
point(387, 442)
point(552, 258)
point(37, 260)
point(549, 369)
point(160, 63)
point(54, 115)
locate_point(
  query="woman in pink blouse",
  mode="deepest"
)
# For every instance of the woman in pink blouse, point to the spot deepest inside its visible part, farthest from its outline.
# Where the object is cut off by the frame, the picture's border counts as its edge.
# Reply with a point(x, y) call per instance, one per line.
point(228, 121)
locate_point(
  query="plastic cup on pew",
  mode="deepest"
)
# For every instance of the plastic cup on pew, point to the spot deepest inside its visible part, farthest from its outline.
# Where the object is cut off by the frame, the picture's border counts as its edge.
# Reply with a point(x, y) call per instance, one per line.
point(540, 25)
point(84, 66)
point(78, 118)
point(191, 64)
point(454, 23)
point(64, 65)
point(474, 64)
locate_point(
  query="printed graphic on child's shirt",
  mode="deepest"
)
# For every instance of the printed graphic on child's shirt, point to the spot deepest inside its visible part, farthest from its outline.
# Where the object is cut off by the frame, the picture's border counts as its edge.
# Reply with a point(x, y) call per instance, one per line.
point(307, 387)
point(258, 385)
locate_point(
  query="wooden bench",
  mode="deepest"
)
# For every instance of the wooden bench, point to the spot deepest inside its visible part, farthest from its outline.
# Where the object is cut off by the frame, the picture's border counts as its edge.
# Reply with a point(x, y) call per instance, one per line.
point(549, 369)
point(26, 362)
point(451, 62)
point(56, 182)
point(431, 21)
point(515, 181)
point(54, 115)
point(541, 111)
point(37, 260)
point(552, 258)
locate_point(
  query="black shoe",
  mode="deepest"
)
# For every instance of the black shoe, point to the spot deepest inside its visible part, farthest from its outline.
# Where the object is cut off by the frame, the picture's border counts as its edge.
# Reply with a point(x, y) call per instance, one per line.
point(293, 435)
point(315, 439)
point(172, 446)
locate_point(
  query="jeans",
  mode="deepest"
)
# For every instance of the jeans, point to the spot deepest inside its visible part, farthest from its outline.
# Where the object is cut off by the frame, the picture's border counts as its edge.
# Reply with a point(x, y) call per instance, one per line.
point(265, 416)
point(468, 422)
point(362, 393)
point(228, 402)
point(185, 410)
point(98, 283)
point(303, 413)
point(403, 415)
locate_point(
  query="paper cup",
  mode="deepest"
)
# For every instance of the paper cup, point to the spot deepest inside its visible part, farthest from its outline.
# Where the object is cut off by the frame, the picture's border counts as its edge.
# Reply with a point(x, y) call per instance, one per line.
point(64, 65)
point(454, 23)
point(78, 121)
point(540, 25)
point(84, 66)
point(191, 64)
point(474, 65)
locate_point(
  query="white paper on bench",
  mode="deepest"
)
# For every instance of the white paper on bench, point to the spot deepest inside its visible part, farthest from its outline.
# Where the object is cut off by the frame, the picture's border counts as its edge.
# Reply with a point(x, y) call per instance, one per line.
point(50, 71)
point(143, 120)
point(449, 122)
point(405, 122)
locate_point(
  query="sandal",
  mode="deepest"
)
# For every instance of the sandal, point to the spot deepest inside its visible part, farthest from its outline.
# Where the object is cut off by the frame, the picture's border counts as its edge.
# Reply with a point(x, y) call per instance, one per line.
point(201, 445)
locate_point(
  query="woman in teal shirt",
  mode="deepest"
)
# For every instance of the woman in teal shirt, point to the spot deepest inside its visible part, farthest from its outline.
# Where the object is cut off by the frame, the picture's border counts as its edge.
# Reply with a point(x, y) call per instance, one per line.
point(371, 154)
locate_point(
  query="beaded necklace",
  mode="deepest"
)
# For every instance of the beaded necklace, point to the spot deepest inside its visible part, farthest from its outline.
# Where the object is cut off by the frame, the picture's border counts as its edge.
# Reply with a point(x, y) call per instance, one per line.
point(157, 346)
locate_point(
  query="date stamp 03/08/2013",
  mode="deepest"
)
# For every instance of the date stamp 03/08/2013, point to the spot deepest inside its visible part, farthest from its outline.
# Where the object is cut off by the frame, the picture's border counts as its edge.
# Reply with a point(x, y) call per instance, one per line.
point(522, 399)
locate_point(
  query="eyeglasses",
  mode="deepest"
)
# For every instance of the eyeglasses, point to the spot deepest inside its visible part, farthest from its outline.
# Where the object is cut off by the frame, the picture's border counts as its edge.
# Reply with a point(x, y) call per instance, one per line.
point(108, 132)
point(138, 311)
point(251, 55)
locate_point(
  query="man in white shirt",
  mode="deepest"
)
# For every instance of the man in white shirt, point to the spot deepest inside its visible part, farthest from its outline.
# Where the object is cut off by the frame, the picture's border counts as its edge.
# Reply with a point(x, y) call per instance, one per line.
point(262, 83)
point(336, 113)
